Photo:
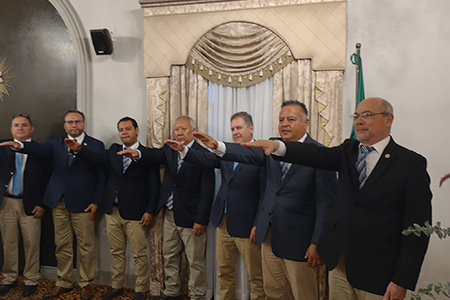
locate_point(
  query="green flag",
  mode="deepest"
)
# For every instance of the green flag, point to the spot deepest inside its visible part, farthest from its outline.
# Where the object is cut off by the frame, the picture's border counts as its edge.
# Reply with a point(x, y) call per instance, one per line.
point(355, 58)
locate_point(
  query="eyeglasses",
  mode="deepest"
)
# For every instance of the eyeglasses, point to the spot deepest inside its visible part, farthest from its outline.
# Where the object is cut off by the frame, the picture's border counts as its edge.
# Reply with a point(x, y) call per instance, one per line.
point(77, 122)
point(367, 115)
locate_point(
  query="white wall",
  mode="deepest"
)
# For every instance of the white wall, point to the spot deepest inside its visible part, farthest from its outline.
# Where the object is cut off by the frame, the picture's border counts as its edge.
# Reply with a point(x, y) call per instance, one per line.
point(118, 86)
point(118, 79)
point(405, 52)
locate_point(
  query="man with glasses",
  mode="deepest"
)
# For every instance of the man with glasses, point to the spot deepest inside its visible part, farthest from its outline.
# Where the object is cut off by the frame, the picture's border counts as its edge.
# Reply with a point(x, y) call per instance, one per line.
point(23, 179)
point(383, 188)
point(74, 191)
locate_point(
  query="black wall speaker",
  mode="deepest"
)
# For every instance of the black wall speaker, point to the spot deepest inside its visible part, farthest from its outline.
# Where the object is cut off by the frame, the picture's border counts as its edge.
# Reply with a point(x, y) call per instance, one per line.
point(101, 38)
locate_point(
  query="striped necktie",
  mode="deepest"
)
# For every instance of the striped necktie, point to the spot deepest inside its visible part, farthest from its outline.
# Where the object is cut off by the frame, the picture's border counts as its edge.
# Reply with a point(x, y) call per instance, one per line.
point(361, 164)
point(70, 155)
point(17, 179)
point(126, 161)
point(284, 169)
point(169, 202)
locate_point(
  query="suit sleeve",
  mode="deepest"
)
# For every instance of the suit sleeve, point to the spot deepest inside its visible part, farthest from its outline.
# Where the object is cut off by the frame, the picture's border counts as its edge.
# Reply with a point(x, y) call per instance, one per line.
point(154, 183)
point(206, 196)
point(252, 156)
point(312, 155)
point(417, 209)
point(96, 158)
point(153, 155)
point(43, 149)
point(326, 197)
point(204, 159)
point(101, 175)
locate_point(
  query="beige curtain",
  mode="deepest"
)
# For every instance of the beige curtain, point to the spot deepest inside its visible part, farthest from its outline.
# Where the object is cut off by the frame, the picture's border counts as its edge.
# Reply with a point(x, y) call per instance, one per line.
point(321, 91)
point(184, 93)
point(239, 54)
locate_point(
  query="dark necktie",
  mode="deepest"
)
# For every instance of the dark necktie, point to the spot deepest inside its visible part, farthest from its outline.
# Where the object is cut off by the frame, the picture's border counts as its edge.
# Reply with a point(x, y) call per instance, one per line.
point(70, 155)
point(361, 164)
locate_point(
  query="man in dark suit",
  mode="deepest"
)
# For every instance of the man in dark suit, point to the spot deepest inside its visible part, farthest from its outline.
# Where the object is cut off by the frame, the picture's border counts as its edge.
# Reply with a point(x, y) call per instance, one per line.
point(186, 196)
point(73, 192)
point(383, 188)
point(129, 201)
point(234, 210)
point(23, 179)
point(296, 202)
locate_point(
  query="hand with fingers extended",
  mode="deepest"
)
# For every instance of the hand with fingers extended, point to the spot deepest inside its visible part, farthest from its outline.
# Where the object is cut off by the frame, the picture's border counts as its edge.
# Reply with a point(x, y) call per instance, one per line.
point(73, 145)
point(175, 145)
point(207, 140)
point(268, 146)
point(129, 153)
point(14, 145)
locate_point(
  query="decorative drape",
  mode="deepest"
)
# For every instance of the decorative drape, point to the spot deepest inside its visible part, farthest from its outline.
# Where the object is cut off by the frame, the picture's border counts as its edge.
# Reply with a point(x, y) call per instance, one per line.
point(239, 54)
point(184, 93)
point(321, 91)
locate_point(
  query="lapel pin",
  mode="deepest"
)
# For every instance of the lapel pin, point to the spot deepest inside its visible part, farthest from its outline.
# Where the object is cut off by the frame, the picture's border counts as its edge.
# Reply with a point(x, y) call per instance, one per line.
point(85, 144)
point(387, 155)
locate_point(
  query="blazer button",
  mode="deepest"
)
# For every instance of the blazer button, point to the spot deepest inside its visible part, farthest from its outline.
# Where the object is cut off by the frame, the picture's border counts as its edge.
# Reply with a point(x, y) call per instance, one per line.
point(6, 185)
point(12, 173)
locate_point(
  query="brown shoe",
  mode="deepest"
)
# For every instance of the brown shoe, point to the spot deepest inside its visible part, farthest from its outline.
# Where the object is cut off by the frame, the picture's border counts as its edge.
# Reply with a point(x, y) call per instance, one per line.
point(56, 291)
point(86, 293)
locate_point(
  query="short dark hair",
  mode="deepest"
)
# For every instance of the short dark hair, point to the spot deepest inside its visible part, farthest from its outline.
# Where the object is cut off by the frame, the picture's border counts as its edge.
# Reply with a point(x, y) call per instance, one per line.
point(74, 111)
point(245, 116)
point(24, 116)
point(295, 102)
point(124, 119)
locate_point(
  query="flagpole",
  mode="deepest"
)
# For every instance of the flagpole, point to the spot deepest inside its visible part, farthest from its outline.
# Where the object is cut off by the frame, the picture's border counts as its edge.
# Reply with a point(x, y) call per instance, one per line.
point(358, 64)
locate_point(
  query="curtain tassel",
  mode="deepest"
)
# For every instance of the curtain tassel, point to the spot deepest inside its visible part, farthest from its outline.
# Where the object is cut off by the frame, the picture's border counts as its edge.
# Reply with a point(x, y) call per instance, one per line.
point(250, 77)
point(229, 79)
point(219, 77)
point(271, 68)
point(261, 73)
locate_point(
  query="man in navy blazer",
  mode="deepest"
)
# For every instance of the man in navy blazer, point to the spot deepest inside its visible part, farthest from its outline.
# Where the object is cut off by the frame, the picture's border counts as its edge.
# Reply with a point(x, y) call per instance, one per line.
point(186, 196)
point(130, 202)
point(73, 192)
point(290, 220)
point(234, 210)
point(383, 188)
point(23, 179)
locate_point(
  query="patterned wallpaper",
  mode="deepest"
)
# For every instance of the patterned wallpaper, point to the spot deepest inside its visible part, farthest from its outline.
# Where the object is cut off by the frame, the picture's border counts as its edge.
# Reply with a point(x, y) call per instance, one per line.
point(314, 30)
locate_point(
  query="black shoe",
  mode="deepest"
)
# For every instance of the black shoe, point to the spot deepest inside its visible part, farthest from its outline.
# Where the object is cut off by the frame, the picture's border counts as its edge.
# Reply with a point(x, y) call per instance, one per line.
point(140, 296)
point(111, 293)
point(5, 288)
point(29, 290)
point(164, 297)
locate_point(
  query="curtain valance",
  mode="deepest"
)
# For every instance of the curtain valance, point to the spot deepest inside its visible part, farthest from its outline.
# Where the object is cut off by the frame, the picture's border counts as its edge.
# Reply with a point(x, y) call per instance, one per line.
point(239, 54)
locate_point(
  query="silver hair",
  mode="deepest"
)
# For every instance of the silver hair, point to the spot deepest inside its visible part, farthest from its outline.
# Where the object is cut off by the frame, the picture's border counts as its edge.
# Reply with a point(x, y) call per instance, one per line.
point(191, 121)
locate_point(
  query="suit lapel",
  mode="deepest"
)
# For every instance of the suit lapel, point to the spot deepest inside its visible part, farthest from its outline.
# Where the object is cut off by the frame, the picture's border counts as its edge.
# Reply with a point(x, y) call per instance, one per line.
point(233, 172)
point(384, 161)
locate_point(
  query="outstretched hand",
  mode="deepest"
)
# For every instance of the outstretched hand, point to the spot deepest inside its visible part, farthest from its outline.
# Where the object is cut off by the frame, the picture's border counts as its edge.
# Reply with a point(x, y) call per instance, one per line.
point(175, 145)
point(73, 145)
point(129, 153)
point(207, 140)
point(12, 144)
point(268, 146)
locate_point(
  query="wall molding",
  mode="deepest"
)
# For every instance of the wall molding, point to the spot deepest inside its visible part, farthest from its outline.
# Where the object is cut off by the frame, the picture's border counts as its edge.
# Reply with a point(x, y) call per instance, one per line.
point(171, 7)
point(80, 41)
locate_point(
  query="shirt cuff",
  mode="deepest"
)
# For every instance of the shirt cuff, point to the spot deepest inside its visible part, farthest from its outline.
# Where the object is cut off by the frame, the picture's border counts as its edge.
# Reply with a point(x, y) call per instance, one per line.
point(221, 149)
point(281, 150)
point(184, 152)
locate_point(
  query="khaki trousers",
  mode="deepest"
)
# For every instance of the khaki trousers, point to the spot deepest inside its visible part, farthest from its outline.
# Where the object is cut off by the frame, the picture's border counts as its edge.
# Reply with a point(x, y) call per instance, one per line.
point(66, 224)
point(286, 279)
point(174, 238)
point(227, 250)
point(340, 288)
point(12, 216)
point(119, 230)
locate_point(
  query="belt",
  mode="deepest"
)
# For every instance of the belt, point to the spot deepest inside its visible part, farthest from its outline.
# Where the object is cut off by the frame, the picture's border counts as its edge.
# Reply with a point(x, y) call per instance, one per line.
point(13, 196)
